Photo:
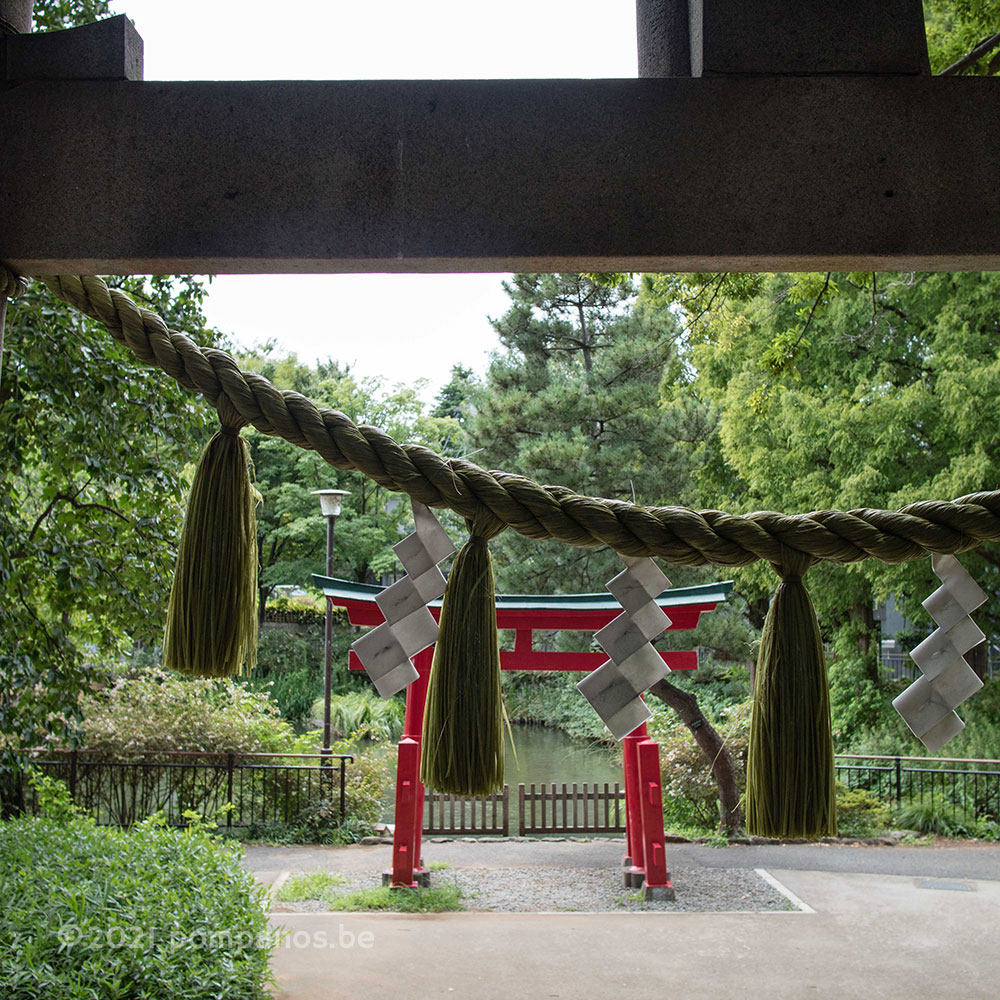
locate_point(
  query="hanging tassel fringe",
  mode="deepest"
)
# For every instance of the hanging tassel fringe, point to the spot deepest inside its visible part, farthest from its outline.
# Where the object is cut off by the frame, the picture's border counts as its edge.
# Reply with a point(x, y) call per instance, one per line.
point(790, 773)
point(462, 746)
point(211, 628)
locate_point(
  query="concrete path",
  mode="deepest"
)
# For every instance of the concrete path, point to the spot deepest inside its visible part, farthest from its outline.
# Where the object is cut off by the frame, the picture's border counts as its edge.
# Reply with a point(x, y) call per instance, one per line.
point(927, 931)
point(981, 861)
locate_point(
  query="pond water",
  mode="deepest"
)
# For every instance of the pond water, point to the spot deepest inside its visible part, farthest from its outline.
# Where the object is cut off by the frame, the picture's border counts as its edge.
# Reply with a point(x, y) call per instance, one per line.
point(547, 755)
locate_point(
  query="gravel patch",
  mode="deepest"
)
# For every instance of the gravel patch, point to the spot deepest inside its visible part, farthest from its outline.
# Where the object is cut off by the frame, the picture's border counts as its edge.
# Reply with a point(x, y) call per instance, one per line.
point(587, 890)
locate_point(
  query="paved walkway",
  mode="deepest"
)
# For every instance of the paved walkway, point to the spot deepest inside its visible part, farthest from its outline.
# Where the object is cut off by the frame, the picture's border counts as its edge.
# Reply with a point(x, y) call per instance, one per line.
point(906, 923)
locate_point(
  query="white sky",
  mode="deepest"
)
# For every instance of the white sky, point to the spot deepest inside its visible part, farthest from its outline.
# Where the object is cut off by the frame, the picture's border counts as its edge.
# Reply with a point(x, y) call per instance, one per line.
point(401, 327)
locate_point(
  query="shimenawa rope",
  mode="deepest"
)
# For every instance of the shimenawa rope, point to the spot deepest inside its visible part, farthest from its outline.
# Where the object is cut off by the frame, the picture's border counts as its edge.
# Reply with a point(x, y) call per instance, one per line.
point(677, 534)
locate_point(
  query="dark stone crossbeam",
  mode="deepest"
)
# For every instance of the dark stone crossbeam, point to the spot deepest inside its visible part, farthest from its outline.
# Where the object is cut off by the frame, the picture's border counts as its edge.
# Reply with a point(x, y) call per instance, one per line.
point(738, 173)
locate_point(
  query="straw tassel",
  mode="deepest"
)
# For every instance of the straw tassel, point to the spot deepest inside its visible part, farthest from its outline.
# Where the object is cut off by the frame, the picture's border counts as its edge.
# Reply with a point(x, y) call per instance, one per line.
point(211, 628)
point(790, 772)
point(462, 746)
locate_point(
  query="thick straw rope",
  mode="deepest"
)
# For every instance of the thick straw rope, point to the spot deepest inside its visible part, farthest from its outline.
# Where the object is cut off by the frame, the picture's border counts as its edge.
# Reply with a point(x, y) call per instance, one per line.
point(677, 534)
point(11, 284)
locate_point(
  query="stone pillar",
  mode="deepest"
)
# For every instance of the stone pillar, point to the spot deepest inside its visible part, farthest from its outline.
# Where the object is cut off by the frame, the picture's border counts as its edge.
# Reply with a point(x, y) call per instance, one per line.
point(15, 17)
point(780, 37)
point(663, 39)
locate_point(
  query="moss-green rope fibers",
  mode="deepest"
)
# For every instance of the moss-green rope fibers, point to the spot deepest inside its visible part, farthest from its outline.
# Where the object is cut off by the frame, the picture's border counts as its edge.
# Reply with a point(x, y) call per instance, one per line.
point(462, 743)
point(211, 628)
point(790, 765)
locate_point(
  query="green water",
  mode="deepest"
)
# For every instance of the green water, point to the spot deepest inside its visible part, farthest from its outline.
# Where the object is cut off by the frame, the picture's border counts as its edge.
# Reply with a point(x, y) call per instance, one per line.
point(547, 755)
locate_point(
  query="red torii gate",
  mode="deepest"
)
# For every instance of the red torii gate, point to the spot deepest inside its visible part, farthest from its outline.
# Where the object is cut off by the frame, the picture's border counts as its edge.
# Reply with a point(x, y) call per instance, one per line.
point(645, 853)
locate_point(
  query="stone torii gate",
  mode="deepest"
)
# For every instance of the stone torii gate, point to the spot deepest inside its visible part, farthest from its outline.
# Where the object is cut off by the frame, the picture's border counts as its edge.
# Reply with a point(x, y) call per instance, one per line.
point(762, 134)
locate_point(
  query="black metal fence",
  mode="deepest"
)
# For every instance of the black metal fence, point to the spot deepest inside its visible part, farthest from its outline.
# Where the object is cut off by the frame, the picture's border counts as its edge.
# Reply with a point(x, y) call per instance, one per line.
point(897, 665)
point(260, 789)
point(236, 790)
point(960, 789)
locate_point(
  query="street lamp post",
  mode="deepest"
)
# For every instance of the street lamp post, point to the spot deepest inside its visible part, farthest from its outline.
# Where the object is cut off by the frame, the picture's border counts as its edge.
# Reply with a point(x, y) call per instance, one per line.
point(330, 501)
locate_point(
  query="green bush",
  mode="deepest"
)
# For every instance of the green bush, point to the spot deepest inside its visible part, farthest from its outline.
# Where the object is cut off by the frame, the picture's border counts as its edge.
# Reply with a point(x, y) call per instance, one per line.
point(690, 794)
point(367, 778)
point(939, 819)
point(159, 710)
point(363, 713)
point(860, 813)
point(106, 914)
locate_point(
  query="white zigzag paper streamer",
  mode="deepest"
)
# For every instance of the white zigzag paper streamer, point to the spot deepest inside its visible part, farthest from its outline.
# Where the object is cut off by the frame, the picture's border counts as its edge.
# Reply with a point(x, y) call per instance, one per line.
point(613, 689)
point(409, 627)
point(928, 704)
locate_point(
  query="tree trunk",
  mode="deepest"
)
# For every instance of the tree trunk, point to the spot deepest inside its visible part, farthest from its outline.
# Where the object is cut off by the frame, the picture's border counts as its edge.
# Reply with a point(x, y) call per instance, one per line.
point(711, 744)
point(864, 615)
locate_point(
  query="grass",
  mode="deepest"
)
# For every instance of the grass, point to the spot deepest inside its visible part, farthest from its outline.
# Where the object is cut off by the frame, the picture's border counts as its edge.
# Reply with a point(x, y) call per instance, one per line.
point(438, 866)
point(439, 899)
point(364, 711)
point(326, 887)
point(312, 885)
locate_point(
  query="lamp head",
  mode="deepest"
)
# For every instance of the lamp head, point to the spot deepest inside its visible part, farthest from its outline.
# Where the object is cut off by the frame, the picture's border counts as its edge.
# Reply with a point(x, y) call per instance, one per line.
point(330, 500)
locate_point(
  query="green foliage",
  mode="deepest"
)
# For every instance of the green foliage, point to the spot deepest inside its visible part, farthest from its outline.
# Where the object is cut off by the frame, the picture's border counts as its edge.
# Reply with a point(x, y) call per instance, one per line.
point(83, 918)
point(981, 737)
point(860, 813)
point(955, 27)
point(937, 819)
point(574, 399)
point(455, 401)
point(364, 712)
point(290, 667)
point(51, 15)
point(862, 715)
point(157, 710)
point(690, 794)
point(313, 885)
point(925, 817)
point(893, 399)
point(292, 531)
point(719, 686)
point(367, 778)
point(438, 899)
point(54, 799)
point(95, 446)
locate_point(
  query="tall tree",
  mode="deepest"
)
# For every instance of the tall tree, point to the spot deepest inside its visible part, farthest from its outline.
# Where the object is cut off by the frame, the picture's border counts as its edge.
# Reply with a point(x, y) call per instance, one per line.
point(574, 399)
point(95, 447)
point(847, 391)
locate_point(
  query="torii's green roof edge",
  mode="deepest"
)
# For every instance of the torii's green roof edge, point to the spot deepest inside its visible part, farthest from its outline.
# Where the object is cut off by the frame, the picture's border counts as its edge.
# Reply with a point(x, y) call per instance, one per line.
point(706, 593)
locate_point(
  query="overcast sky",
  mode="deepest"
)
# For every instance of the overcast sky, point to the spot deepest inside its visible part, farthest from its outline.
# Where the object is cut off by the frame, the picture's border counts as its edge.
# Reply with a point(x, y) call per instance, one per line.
point(401, 327)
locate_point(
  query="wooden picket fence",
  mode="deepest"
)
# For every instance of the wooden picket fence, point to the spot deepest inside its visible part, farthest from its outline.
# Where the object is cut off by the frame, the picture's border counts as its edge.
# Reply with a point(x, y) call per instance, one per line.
point(555, 808)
